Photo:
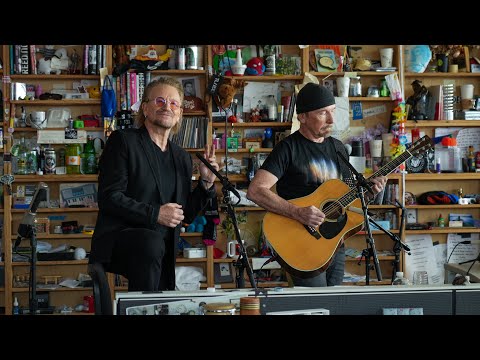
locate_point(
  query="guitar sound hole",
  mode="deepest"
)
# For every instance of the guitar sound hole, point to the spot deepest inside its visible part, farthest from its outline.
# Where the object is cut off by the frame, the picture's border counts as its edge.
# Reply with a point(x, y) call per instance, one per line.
point(333, 210)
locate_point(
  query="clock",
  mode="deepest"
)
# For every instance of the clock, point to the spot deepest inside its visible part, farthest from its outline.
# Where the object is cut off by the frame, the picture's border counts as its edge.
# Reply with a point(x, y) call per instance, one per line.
point(417, 163)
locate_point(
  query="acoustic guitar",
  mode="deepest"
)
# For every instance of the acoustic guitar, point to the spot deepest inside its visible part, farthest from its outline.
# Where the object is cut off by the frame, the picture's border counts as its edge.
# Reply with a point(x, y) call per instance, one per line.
point(306, 251)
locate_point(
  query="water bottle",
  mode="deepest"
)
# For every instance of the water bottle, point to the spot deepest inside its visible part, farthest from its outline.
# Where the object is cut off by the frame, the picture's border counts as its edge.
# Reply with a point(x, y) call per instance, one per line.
point(16, 308)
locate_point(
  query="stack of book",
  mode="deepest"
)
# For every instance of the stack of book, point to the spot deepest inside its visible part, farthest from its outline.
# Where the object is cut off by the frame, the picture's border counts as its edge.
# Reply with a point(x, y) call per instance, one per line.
point(469, 115)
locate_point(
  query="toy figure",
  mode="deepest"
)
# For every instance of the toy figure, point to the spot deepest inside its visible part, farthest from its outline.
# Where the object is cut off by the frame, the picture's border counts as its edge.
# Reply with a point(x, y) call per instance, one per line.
point(255, 66)
point(419, 102)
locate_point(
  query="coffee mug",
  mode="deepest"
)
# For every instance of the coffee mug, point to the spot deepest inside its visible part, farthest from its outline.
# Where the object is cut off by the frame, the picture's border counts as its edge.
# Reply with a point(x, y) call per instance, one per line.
point(233, 249)
point(37, 119)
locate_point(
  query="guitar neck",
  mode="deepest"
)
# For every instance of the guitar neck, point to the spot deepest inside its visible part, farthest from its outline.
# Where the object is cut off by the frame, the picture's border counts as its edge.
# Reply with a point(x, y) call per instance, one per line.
point(392, 165)
point(352, 195)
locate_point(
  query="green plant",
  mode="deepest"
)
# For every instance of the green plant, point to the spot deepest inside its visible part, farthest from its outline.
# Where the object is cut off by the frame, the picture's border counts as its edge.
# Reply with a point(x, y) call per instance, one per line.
point(227, 224)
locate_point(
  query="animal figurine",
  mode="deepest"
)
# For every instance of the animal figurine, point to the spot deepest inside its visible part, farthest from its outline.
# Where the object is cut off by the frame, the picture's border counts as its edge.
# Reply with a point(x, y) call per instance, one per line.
point(255, 66)
point(226, 92)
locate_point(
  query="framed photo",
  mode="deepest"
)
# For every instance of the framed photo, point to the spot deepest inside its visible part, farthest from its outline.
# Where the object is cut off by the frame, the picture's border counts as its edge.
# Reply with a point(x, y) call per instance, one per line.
point(223, 273)
point(329, 84)
point(42, 226)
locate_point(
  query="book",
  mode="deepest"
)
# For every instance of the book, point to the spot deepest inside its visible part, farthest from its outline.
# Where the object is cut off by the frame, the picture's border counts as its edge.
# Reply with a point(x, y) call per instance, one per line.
point(325, 59)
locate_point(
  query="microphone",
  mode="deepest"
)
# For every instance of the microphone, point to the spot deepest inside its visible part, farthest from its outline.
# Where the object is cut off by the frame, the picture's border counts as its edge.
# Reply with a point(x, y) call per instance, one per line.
point(227, 184)
point(28, 219)
point(359, 177)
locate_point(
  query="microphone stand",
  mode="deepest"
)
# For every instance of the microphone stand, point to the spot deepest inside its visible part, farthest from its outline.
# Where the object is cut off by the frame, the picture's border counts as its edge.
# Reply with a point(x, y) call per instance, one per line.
point(29, 231)
point(370, 251)
point(398, 246)
point(242, 262)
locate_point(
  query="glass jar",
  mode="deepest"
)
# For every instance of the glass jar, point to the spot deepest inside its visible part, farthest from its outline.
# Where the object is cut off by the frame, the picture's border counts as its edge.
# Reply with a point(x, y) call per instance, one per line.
point(355, 86)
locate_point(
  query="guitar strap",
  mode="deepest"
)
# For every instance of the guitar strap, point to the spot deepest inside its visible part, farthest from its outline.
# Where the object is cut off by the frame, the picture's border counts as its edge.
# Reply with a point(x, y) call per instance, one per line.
point(345, 171)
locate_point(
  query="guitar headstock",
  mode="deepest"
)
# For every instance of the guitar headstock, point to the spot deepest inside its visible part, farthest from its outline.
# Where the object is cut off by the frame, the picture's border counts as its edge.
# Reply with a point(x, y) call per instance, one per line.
point(421, 145)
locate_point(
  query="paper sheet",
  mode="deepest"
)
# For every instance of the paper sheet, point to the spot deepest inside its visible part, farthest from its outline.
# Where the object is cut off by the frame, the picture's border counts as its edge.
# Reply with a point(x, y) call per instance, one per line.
point(463, 252)
point(422, 258)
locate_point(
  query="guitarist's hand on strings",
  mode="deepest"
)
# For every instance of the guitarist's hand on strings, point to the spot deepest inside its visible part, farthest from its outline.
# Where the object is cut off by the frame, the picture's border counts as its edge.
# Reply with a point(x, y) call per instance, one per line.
point(378, 183)
point(310, 215)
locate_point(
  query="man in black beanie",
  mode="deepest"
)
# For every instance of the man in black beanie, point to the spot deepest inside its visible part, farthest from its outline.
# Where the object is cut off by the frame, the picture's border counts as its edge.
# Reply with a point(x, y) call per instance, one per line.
point(298, 165)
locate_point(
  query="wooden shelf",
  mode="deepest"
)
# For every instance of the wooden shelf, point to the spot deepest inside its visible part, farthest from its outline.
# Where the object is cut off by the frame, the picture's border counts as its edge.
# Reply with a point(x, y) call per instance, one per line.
point(51, 263)
point(243, 150)
point(268, 77)
point(57, 102)
point(359, 73)
point(21, 290)
point(59, 236)
point(442, 75)
point(449, 206)
point(57, 178)
point(58, 210)
point(54, 77)
point(178, 72)
point(443, 176)
point(442, 123)
point(29, 129)
point(191, 234)
point(258, 124)
point(187, 260)
point(445, 230)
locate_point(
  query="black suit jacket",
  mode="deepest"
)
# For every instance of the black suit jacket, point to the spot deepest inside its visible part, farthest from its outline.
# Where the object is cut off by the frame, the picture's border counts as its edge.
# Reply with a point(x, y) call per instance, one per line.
point(128, 191)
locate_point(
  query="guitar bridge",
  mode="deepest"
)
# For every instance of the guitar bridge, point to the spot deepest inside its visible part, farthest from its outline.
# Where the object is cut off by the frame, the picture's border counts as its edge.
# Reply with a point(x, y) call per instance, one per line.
point(312, 231)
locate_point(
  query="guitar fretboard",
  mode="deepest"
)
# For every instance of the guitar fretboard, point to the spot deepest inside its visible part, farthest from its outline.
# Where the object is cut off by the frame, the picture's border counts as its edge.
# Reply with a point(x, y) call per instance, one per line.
point(352, 195)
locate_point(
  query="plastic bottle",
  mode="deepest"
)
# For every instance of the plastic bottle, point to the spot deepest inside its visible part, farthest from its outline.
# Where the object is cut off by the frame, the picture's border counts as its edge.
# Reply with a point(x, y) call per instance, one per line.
point(399, 279)
point(441, 221)
point(16, 308)
point(272, 108)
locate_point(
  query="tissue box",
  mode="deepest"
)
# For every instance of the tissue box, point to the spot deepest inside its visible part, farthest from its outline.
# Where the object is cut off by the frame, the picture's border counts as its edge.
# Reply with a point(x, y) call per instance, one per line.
point(194, 253)
point(383, 223)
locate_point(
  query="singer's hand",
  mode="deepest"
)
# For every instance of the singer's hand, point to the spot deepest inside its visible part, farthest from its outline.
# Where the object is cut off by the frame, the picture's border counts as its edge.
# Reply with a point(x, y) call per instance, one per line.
point(170, 215)
point(205, 172)
point(378, 184)
point(310, 215)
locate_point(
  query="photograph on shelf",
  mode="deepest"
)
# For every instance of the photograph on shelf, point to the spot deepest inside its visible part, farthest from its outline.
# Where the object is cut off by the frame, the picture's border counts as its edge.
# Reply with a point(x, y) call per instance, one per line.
point(235, 109)
point(223, 273)
point(42, 226)
point(192, 100)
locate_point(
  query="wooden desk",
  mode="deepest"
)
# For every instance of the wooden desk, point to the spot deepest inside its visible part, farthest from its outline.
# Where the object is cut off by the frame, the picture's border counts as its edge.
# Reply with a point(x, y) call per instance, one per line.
point(462, 269)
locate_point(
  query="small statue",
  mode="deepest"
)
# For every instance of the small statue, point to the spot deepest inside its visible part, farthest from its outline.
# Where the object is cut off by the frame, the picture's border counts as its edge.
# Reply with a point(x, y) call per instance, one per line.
point(419, 102)
point(74, 62)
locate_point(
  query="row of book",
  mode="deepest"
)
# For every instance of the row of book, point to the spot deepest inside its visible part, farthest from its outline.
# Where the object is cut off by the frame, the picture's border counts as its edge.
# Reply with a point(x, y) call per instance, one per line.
point(32, 60)
point(129, 88)
point(192, 133)
point(388, 195)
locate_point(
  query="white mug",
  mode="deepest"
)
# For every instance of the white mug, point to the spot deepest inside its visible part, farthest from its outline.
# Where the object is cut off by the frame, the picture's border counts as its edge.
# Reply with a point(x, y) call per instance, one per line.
point(343, 84)
point(232, 250)
point(37, 119)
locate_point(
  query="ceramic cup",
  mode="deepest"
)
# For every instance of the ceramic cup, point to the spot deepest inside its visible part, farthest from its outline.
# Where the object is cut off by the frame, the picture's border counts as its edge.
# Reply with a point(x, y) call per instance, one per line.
point(343, 85)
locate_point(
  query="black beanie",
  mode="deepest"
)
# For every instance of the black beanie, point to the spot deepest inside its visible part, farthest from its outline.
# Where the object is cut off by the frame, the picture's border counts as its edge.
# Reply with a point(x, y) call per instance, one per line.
point(312, 97)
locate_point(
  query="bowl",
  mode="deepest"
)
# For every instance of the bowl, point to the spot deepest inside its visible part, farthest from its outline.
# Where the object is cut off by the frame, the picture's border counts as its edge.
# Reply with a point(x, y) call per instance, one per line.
point(238, 70)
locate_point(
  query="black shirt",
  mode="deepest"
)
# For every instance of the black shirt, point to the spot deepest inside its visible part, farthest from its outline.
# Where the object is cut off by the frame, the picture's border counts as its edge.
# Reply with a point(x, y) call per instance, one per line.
point(302, 165)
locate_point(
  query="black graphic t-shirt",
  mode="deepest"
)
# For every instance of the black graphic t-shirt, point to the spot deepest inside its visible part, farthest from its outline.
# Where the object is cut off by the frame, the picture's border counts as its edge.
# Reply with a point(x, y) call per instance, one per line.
point(301, 165)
